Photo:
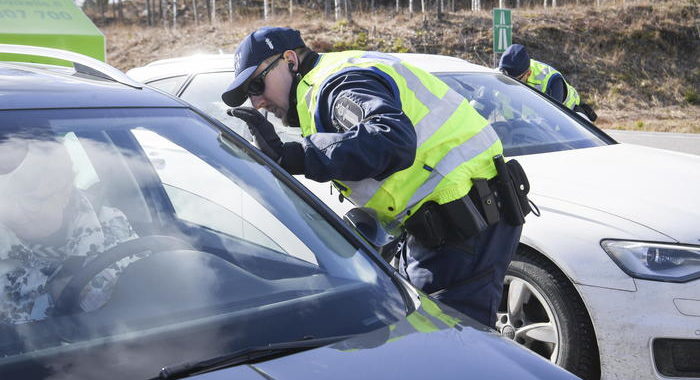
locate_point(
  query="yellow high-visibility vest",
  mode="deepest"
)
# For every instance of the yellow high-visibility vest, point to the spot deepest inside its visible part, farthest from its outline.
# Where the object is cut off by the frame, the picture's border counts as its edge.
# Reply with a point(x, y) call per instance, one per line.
point(540, 73)
point(455, 143)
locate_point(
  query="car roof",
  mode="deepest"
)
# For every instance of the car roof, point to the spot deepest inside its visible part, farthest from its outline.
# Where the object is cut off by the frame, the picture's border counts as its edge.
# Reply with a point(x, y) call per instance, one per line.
point(167, 68)
point(193, 64)
point(435, 63)
point(87, 84)
point(30, 88)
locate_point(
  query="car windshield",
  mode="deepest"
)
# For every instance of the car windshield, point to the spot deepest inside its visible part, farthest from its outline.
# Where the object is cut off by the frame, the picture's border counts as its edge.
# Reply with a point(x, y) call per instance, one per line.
point(525, 122)
point(132, 239)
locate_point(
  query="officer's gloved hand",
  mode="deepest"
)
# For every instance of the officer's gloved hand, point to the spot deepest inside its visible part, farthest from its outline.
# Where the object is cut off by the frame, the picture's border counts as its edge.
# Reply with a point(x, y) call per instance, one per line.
point(289, 155)
point(262, 130)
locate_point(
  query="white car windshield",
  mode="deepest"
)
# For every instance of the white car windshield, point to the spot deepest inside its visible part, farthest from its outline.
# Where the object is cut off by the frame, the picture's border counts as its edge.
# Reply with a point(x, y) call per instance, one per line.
point(148, 235)
point(526, 122)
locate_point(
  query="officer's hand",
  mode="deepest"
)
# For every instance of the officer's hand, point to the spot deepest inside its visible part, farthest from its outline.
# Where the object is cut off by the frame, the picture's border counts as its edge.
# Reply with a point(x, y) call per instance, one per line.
point(262, 130)
point(289, 155)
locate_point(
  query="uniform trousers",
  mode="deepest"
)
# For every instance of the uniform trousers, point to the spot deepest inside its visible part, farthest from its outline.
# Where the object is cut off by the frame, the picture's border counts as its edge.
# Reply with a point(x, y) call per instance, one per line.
point(465, 274)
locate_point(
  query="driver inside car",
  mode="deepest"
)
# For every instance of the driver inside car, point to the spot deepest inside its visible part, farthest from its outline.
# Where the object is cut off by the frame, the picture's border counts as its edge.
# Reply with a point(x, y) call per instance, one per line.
point(47, 222)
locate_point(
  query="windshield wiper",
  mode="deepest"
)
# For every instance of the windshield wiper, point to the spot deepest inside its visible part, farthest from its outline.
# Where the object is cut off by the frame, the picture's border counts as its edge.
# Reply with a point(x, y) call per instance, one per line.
point(245, 356)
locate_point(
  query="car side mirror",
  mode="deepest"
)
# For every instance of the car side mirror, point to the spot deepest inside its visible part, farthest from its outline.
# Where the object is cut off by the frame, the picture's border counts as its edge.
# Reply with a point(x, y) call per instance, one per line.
point(365, 222)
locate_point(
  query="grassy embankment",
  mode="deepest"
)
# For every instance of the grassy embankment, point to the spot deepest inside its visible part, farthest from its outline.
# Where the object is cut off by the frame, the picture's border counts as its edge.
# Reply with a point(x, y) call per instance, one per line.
point(637, 64)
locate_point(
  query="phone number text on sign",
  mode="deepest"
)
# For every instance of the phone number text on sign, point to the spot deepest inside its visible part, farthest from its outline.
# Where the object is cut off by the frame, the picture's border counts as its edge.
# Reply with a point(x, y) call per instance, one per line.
point(42, 15)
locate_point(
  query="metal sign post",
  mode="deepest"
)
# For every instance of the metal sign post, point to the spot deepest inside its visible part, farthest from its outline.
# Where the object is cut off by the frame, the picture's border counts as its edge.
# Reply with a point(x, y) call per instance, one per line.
point(502, 31)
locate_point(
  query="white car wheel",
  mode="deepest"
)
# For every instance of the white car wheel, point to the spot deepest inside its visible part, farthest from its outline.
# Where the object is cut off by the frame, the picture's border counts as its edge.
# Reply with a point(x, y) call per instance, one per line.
point(541, 310)
point(529, 321)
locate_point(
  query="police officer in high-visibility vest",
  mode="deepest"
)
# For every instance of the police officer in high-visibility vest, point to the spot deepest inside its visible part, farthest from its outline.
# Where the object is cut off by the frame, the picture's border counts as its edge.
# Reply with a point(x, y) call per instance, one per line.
point(516, 63)
point(395, 139)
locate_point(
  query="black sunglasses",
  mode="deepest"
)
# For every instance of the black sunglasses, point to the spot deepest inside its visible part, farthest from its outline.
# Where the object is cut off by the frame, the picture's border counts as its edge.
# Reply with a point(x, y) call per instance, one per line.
point(256, 86)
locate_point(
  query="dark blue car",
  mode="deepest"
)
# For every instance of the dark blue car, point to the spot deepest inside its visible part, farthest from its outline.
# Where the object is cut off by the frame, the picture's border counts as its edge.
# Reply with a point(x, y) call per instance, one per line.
point(139, 238)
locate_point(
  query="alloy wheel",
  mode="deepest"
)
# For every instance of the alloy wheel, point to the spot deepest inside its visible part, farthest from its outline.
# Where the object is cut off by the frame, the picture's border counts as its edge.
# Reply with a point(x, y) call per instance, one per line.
point(526, 317)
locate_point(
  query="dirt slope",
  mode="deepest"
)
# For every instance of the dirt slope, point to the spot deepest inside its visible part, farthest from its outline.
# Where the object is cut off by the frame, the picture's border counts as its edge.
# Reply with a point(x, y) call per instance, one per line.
point(637, 64)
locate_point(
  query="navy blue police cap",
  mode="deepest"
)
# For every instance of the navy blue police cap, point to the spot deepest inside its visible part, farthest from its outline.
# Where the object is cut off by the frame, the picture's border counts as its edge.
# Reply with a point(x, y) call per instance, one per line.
point(255, 48)
point(514, 61)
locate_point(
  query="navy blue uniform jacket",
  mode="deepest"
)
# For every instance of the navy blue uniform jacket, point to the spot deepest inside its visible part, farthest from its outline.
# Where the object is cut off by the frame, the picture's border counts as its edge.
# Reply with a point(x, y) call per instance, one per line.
point(381, 143)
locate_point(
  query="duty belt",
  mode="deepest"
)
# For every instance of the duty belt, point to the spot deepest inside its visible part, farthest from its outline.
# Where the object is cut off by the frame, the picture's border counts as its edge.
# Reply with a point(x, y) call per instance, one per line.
point(488, 201)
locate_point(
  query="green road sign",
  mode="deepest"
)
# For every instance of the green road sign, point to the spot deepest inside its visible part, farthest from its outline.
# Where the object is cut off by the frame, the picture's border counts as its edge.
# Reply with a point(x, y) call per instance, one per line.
point(49, 23)
point(502, 29)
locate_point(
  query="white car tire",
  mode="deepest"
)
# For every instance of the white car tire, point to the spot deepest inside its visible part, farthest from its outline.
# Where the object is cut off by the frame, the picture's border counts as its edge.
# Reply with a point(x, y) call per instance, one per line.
point(541, 310)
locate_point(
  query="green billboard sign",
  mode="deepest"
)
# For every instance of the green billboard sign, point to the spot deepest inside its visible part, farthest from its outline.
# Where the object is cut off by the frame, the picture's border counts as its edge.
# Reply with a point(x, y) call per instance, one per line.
point(502, 29)
point(58, 24)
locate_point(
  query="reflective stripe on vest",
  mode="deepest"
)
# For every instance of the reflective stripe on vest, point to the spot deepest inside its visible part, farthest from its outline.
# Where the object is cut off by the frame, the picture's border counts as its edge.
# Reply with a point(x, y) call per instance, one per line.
point(454, 143)
point(540, 73)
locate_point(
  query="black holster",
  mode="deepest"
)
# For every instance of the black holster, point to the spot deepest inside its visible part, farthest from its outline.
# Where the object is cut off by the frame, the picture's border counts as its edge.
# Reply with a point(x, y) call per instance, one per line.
point(433, 224)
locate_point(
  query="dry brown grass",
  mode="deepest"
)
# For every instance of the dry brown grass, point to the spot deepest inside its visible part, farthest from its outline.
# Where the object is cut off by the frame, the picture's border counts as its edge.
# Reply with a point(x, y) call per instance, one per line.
point(634, 63)
point(660, 119)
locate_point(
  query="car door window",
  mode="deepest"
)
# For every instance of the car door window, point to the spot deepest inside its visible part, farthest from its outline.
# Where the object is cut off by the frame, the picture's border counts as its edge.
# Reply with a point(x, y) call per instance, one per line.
point(204, 92)
point(85, 174)
point(169, 85)
point(202, 195)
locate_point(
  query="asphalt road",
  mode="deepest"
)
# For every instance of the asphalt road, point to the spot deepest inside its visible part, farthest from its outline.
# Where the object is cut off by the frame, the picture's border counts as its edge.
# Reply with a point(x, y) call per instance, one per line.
point(681, 142)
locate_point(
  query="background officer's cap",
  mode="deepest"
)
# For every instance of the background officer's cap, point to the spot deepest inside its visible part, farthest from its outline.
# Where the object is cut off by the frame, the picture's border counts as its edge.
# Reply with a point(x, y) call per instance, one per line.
point(514, 61)
point(255, 48)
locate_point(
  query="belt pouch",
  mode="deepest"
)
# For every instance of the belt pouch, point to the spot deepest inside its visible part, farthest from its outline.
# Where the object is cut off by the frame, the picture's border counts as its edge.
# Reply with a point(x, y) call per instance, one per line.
point(463, 216)
point(507, 195)
point(427, 225)
point(521, 184)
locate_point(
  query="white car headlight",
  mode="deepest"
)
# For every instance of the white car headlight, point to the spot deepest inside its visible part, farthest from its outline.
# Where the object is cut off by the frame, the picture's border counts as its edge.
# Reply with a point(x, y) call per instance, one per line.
point(655, 261)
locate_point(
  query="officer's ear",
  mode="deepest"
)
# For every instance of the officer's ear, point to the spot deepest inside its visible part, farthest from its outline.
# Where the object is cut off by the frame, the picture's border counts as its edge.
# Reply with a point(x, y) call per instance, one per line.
point(292, 59)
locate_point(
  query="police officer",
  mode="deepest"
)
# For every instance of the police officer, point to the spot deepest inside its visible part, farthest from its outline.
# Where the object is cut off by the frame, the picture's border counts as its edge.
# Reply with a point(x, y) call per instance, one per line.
point(394, 138)
point(516, 63)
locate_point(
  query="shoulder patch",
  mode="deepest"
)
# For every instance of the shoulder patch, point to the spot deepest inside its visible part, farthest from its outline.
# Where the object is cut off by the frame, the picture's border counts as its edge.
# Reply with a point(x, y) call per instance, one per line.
point(346, 113)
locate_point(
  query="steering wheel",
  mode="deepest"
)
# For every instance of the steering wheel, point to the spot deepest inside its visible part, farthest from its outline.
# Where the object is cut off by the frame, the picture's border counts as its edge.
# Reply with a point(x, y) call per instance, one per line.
point(68, 300)
point(503, 130)
point(529, 133)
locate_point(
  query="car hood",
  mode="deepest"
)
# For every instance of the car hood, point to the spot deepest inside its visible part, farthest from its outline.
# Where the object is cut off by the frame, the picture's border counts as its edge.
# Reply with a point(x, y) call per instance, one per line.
point(653, 187)
point(431, 343)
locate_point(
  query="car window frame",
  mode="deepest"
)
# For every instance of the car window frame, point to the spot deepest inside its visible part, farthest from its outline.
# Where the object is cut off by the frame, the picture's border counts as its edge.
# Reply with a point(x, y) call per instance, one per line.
point(582, 120)
point(177, 89)
point(193, 74)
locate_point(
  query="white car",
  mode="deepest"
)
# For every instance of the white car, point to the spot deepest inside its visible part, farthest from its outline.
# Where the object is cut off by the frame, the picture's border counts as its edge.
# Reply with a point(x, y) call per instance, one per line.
point(606, 280)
